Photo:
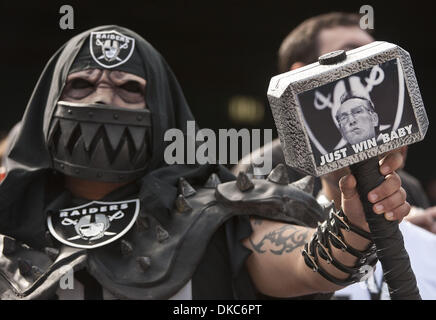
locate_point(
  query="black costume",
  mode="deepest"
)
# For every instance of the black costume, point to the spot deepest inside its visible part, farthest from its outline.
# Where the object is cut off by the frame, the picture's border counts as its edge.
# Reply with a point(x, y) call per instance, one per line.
point(191, 219)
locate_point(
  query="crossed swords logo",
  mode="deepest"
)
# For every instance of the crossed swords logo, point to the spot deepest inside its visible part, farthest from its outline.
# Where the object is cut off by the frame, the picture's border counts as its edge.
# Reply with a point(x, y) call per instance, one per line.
point(375, 78)
point(110, 52)
point(92, 230)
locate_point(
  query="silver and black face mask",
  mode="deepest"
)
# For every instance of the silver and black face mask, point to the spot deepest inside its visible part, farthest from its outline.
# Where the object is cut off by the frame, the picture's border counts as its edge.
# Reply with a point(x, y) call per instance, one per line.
point(100, 142)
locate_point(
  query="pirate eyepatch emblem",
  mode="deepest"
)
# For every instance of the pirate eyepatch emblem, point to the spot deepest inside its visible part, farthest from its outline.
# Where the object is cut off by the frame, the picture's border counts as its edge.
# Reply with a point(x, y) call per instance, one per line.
point(111, 48)
point(94, 224)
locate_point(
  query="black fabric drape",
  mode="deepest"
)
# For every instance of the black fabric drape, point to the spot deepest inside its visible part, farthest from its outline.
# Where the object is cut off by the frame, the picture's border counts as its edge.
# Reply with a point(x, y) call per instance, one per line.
point(28, 162)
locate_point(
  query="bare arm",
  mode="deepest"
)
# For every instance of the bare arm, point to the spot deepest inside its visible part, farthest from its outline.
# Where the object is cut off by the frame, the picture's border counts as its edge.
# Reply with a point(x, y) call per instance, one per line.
point(277, 266)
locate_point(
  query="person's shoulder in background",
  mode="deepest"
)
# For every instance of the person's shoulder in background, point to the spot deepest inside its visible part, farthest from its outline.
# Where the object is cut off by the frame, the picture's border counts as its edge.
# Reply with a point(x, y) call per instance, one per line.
point(416, 195)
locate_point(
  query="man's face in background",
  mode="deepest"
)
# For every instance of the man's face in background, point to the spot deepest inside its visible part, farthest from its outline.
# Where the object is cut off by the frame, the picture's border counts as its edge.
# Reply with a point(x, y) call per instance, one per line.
point(356, 120)
point(340, 38)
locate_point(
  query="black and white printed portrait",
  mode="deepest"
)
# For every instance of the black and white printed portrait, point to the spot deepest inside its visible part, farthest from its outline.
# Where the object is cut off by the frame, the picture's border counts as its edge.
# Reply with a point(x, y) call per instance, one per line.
point(358, 112)
point(356, 117)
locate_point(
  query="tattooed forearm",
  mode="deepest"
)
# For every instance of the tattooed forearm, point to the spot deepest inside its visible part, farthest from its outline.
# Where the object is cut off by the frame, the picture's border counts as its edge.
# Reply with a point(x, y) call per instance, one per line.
point(283, 240)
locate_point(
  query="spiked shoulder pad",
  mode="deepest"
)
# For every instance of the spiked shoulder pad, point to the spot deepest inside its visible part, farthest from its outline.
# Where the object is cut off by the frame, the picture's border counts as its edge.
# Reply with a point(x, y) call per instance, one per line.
point(158, 256)
point(273, 198)
point(33, 274)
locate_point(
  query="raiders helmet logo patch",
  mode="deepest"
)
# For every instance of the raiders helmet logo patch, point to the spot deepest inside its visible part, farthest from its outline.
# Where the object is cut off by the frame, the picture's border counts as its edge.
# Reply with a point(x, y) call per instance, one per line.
point(111, 48)
point(94, 224)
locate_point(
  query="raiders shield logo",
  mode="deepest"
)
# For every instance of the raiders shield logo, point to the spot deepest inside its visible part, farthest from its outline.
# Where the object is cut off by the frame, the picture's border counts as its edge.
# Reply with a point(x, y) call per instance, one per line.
point(111, 48)
point(382, 84)
point(94, 224)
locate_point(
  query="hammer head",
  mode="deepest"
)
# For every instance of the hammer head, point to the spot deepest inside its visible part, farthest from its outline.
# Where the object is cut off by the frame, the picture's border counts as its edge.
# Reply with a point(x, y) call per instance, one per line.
point(347, 108)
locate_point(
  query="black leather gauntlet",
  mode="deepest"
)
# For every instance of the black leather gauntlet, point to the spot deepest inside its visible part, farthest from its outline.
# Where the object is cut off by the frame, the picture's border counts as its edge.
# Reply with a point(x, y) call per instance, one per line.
point(330, 232)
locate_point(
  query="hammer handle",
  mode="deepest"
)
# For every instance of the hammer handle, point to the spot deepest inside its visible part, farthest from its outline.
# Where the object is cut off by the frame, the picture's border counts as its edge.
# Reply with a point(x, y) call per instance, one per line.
point(386, 235)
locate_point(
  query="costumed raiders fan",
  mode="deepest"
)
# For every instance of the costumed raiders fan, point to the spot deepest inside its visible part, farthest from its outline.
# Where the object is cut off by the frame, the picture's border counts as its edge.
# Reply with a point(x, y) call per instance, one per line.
point(87, 191)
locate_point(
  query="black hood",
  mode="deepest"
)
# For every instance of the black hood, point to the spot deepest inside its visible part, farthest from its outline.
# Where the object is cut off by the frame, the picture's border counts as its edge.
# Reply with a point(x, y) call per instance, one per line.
point(28, 162)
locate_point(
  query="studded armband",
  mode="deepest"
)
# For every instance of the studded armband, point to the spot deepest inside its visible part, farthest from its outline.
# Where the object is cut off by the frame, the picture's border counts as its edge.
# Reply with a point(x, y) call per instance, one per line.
point(330, 233)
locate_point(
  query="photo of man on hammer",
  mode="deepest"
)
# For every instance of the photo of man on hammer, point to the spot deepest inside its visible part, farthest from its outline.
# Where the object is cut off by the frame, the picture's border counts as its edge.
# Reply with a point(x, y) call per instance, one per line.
point(357, 118)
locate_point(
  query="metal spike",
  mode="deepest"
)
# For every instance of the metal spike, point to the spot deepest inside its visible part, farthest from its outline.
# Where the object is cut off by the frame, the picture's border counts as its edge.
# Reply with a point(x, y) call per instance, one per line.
point(138, 136)
point(161, 234)
point(140, 155)
point(89, 131)
point(9, 245)
point(243, 182)
point(52, 253)
point(77, 155)
point(25, 267)
point(305, 184)
point(185, 188)
point(123, 161)
point(142, 221)
point(126, 247)
point(114, 133)
point(67, 128)
point(212, 182)
point(279, 174)
point(144, 262)
point(99, 154)
point(182, 204)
